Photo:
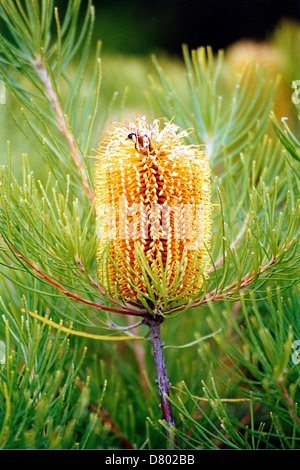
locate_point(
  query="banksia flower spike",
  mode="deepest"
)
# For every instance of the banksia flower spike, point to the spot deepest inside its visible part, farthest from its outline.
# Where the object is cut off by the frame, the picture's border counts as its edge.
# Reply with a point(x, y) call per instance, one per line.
point(153, 207)
point(154, 211)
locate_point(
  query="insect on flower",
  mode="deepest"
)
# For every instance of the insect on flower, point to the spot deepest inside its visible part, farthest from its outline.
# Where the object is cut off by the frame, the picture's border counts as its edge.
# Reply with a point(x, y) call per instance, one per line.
point(153, 205)
point(142, 142)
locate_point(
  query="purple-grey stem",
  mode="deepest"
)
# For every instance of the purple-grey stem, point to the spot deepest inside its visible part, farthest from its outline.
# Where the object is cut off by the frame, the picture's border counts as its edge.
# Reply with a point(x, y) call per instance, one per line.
point(154, 323)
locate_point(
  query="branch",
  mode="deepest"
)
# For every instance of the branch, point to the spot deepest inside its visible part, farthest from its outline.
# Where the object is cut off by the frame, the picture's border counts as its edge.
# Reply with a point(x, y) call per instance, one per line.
point(42, 73)
point(113, 326)
point(125, 310)
point(82, 334)
point(154, 324)
point(219, 262)
point(244, 282)
point(139, 350)
point(289, 403)
point(244, 421)
point(99, 288)
point(107, 420)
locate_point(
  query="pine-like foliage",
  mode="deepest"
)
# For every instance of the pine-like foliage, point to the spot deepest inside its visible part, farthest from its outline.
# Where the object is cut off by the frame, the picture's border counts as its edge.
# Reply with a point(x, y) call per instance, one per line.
point(231, 352)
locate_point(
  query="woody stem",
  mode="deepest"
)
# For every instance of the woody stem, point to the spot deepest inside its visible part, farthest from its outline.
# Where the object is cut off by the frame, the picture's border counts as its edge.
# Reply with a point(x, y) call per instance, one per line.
point(154, 323)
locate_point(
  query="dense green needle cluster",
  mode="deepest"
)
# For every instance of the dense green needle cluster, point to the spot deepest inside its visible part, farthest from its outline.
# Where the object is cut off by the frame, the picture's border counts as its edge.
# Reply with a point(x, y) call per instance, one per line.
point(235, 359)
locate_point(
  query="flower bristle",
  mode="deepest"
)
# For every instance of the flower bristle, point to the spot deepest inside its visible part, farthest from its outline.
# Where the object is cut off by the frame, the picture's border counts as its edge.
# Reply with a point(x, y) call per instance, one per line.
point(153, 190)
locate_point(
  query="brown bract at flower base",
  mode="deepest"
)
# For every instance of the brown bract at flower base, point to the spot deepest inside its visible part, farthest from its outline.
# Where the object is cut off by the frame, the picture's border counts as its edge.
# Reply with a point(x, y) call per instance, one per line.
point(152, 192)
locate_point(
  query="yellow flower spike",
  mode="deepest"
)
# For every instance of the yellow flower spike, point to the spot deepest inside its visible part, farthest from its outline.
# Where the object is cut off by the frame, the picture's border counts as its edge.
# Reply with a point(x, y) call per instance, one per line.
point(153, 207)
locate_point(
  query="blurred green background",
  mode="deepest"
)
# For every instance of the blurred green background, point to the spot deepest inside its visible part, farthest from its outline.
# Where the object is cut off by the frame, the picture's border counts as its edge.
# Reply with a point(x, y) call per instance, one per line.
point(143, 27)
point(131, 31)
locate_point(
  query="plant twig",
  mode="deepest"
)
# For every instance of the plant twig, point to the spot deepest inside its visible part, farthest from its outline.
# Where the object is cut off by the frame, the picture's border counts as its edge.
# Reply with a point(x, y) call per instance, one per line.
point(245, 281)
point(140, 356)
point(102, 291)
point(125, 310)
point(220, 261)
point(42, 72)
point(138, 348)
point(289, 403)
point(83, 334)
point(243, 423)
point(107, 421)
point(154, 324)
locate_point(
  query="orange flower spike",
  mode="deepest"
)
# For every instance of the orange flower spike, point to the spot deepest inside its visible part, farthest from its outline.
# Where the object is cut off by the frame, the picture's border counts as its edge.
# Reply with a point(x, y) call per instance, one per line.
point(153, 190)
